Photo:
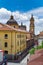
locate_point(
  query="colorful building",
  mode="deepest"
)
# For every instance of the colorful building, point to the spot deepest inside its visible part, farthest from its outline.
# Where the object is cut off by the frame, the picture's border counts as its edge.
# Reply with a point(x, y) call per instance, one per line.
point(12, 40)
point(40, 38)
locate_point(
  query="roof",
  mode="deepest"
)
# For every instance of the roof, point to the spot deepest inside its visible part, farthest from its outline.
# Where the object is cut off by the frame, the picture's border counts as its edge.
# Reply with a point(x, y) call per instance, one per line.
point(37, 58)
point(4, 27)
point(28, 39)
point(22, 25)
point(12, 21)
point(41, 33)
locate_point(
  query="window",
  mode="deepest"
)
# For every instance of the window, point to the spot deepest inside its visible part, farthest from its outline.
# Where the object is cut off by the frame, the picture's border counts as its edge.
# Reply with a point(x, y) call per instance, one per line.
point(5, 52)
point(18, 36)
point(6, 44)
point(14, 26)
point(6, 36)
point(18, 43)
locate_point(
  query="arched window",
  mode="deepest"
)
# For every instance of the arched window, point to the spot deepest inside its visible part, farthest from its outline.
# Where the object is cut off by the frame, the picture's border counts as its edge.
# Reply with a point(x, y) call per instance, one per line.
point(6, 36)
point(5, 52)
point(14, 26)
point(6, 44)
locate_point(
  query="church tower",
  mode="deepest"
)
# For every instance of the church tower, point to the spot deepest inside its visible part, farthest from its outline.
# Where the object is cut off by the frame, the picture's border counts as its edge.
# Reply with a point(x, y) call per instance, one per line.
point(32, 26)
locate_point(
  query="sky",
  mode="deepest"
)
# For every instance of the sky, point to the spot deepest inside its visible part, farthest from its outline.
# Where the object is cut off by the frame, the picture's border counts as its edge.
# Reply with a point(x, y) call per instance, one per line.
point(22, 10)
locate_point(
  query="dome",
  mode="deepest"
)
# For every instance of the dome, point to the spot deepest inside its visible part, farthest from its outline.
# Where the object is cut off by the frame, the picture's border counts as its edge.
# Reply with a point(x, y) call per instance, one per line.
point(11, 21)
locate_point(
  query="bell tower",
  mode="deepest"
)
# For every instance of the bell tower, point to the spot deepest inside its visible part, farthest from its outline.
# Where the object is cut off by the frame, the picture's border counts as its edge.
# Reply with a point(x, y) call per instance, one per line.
point(32, 26)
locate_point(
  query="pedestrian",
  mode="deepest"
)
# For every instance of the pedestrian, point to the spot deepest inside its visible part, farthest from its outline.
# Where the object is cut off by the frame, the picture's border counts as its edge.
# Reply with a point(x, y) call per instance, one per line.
point(5, 60)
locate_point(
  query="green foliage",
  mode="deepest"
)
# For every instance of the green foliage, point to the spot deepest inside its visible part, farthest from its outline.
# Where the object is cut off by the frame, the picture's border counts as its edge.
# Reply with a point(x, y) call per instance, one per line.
point(32, 51)
point(42, 44)
point(39, 47)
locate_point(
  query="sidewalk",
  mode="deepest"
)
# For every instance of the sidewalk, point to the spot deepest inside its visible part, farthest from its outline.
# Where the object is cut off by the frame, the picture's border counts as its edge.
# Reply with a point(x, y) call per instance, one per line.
point(37, 58)
point(23, 62)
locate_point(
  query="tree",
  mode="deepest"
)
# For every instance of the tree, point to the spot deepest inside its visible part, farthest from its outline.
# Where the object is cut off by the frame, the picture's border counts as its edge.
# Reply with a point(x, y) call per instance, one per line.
point(42, 44)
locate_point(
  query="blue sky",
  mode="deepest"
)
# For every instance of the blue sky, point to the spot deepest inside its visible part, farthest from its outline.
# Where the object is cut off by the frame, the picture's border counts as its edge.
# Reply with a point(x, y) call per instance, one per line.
point(21, 5)
point(22, 10)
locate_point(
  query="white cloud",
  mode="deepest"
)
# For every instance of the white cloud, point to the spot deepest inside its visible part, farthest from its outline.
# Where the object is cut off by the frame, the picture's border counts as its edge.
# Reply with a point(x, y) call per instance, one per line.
point(24, 17)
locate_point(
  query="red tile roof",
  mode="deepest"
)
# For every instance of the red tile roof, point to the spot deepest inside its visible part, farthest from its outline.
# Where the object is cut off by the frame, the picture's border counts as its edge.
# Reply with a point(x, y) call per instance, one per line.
point(41, 33)
point(4, 27)
point(9, 28)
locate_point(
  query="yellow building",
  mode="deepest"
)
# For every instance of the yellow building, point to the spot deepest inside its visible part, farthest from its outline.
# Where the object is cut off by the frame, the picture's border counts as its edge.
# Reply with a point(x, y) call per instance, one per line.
point(12, 40)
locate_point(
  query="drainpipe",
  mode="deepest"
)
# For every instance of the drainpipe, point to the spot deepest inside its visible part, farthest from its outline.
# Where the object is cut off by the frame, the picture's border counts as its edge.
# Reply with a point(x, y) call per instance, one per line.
point(11, 42)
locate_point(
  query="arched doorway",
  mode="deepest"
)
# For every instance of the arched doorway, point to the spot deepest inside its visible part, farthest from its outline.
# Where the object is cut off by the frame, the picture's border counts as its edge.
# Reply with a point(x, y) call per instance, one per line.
point(5, 52)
